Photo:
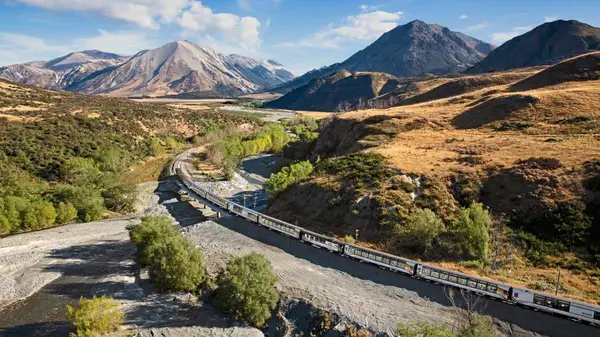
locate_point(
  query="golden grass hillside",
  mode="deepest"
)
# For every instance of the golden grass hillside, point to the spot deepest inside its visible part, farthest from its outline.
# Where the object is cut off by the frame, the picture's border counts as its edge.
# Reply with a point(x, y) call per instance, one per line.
point(520, 142)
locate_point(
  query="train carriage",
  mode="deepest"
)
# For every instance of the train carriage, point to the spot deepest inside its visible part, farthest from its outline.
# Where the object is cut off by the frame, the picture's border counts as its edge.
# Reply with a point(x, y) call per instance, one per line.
point(555, 305)
point(463, 281)
point(322, 241)
point(280, 226)
point(217, 200)
point(243, 212)
point(379, 258)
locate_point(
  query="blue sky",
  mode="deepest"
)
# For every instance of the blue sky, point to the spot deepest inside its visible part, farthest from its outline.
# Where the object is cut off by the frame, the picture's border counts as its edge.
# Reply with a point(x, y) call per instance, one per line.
point(301, 34)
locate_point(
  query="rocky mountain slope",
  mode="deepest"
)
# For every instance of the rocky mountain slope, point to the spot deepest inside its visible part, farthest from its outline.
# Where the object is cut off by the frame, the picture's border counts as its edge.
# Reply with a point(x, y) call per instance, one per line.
point(546, 44)
point(338, 91)
point(175, 68)
point(60, 72)
point(413, 49)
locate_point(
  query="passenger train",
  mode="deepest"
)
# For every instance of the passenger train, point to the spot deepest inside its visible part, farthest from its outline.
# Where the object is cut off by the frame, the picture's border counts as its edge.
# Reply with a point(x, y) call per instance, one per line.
point(566, 308)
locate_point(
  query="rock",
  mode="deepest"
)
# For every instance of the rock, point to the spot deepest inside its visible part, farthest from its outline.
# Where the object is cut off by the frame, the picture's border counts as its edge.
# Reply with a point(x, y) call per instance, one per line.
point(200, 331)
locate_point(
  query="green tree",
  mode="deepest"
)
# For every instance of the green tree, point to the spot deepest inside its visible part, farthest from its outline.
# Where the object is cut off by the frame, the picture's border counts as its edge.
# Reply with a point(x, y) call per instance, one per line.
point(155, 148)
point(120, 197)
point(81, 172)
point(422, 329)
point(471, 226)
point(151, 229)
point(421, 228)
point(288, 176)
point(571, 223)
point(175, 264)
point(65, 213)
point(96, 317)
point(246, 289)
point(480, 326)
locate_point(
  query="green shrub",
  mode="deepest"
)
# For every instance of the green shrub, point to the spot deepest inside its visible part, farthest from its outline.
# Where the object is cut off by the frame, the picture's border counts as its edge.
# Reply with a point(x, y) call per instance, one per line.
point(152, 229)
point(246, 289)
point(120, 198)
point(175, 264)
point(349, 239)
point(363, 169)
point(288, 176)
point(421, 228)
point(480, 326)
point(422, 329)
point(96, 317)
point(65, 213)
point(471, 227)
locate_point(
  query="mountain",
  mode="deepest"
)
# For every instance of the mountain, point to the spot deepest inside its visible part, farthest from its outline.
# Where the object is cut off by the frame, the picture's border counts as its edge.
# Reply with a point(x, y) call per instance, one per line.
point(60, 72)
point(338, 91)
point(413, 49)
point(175, 68)
point(546, 44)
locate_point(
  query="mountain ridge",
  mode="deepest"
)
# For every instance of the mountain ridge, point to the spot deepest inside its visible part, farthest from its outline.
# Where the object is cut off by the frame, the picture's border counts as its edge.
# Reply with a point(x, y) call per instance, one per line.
point(174, 68)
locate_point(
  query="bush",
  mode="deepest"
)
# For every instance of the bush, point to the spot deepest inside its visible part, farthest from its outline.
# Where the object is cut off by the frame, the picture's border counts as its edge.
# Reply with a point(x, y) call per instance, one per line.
point(471, 227)
point(349, 239)
point(120, 198)
point(363, 169)
point(151, 230)
point(422, 329)
point(246, 289)
point(95, 317)
point(421, 228)
point(288, 176)
point(175, 264)
point(65, 213)
point(353, 331)
point(480, 326)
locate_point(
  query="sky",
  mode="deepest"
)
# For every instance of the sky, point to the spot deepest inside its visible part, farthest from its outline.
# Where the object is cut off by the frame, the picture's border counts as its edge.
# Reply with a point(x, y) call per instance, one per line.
point(301, 34)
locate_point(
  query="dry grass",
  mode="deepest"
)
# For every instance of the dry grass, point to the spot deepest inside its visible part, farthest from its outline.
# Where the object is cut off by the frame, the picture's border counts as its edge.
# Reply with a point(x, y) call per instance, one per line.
point(315, 114)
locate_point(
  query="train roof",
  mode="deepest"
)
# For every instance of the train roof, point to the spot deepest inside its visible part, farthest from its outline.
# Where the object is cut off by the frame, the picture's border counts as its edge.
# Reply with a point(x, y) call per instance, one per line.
point(578, 303)
point(466, 275)
point(322, 236)
point(380, 253)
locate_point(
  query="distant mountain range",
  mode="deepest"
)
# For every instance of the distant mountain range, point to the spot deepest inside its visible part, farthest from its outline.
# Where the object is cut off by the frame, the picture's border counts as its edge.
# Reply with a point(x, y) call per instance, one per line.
point(413, 49)
point(546, 44)
point(175, 68)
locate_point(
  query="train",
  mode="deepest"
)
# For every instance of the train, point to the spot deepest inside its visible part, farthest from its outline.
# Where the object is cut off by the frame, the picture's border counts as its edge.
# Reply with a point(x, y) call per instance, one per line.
point(566, 308)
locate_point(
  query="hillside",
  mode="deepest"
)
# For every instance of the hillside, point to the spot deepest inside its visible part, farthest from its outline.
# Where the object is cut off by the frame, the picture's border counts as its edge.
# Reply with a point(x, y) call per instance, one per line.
point(175, 68)
point(546, 44)
point(337, 91)
point(66, 157)
point(527, 151)
point(413, 49)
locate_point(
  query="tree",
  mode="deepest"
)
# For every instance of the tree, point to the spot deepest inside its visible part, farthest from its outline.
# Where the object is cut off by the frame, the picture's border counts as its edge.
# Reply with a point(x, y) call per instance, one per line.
point(471, 227)
point(120, 197)
point(95, 317)
point(246, 289)
point(480, 326)
point(421, 228)
point(151, 229)
point(571, 223)
point(422, 329)
point(175, 264)
point(288, 176)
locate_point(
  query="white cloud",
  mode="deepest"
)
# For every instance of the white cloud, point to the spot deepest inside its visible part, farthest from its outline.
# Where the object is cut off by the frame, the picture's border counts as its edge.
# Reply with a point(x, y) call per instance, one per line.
point(502, 37)
point(144, 13)
point(364, 26)
point(477, 27)
point(463, 16)
point(241, 31)
point(368, 8)
point(19, 48)
point(550, 18)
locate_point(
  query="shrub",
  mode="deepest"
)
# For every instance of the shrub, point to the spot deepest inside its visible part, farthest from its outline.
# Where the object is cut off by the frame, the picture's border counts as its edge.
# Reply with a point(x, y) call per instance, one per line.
point(246, 289)
point(288, 176)
point(120, 198)
point(152, 229)
point(421, 228)
point(65, 213)
point(349, 239)
point(353, 331)
point(480, 326)
point(98, 316)
point(471, 227)
point(175, 264)
point(422, 329)
point(363, 169)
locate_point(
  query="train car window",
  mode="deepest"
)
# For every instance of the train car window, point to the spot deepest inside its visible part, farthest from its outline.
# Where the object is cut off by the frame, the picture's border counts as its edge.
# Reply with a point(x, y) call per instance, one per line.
point(435, 274)
point(443, 276)
point(472, 284)
point(481, 286)
point(550, 302)
point(378, 258)
point(539, 300)
point(462, 281)
point(492, 288)
point(597, 315)
point(453, 278)
point(564, 306)
point(385, 260)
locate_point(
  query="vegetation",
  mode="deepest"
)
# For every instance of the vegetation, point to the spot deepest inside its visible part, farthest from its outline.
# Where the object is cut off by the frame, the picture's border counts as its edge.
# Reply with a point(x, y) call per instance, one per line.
point(353, 331)
point(422, 329)
point(174, 263)
point(96, 317)
point(246, 289)
point(287, 176)
point(228, 153)
point(471, 228)
point(65, 151)
point(421, 228)
point(364, 169)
